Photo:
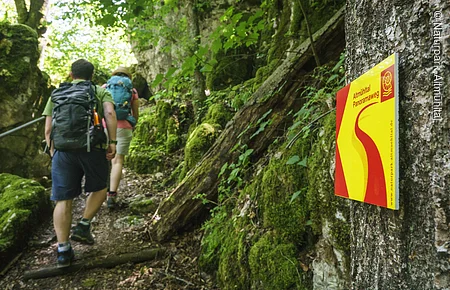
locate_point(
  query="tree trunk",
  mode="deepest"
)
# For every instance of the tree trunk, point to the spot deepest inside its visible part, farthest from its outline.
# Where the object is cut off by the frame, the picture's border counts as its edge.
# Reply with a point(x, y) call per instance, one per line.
point(199, 84)
point(31, 17)
point(408, 248)
point(278, 94)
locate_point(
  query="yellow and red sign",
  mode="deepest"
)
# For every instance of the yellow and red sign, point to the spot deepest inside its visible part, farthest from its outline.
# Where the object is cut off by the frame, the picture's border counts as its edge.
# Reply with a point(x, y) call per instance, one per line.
point(367, 137)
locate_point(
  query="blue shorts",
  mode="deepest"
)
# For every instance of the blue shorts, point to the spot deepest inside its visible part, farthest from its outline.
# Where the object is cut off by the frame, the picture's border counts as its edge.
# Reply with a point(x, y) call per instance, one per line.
point(68, 169)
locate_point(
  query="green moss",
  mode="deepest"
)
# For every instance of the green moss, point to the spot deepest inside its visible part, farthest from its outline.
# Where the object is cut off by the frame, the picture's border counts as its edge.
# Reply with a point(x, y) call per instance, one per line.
point(199, 141)
point(218, 114)
point(233, 267)
point(10, 223)
point(89, 283)
point(225, 247)
point(273, 264)
point(163, 113)
point(23, 203)
point(155, 136)
point(147, 159)
point(143, 206)
point(18, 53)
point(173, 140)
point(320, 193)
point(279, 182)
point(264, 72)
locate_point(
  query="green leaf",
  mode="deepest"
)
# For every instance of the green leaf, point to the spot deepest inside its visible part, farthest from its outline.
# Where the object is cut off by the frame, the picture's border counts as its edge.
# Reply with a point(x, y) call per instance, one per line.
point(332, 78)
point(236, 17)
point(216, 45)
point(264, 116)
point(295, 195)
point(261, 128)
point(338, 65)
point(158, 79)
point(293, 159)
point(246, 154)
point(206, 68)
point(222, 170)
point(295, 125)
point(202, 51)
point(303, 162)
point(234, 174)
point(170, 72)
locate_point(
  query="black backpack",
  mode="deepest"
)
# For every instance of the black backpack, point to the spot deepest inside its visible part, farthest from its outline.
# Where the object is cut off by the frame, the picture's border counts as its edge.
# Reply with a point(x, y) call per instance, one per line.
point(73, 127)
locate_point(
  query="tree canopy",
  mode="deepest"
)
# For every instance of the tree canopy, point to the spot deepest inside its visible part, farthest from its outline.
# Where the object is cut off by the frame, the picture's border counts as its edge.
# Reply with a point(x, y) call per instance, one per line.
point(70, 38)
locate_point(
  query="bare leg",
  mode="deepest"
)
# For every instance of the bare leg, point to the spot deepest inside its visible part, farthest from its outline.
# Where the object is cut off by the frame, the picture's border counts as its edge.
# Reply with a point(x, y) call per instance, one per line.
point(116, 172)
point(62, 220)
point(93, 203)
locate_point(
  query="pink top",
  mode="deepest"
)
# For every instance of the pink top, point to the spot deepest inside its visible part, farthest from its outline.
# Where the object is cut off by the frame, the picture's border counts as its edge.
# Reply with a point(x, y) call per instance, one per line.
point(124, 123)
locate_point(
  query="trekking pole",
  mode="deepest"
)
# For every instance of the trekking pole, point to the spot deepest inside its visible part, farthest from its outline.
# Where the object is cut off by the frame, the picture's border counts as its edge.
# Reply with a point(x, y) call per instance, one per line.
point(21, 127)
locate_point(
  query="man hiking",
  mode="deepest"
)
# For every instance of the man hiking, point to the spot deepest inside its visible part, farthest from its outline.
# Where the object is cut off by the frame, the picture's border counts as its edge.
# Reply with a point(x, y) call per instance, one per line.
point(74, 134)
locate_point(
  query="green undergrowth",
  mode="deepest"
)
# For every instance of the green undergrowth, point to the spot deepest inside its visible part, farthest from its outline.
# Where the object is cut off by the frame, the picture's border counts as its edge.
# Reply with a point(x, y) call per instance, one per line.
point(23, 204)
point(271, 213)
point(157, 135)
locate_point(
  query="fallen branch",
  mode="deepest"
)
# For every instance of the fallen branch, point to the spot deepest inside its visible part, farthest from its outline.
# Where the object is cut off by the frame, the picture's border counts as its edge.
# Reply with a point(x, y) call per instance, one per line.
point(99, 262)
point(10, 264)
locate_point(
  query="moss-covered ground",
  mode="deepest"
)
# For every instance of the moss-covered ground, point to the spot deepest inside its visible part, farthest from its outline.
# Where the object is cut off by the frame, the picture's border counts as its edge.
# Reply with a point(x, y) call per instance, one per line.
point(23, 204)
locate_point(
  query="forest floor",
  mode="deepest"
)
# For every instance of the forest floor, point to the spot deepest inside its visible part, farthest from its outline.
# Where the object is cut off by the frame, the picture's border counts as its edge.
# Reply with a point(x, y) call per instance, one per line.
point(176, 268)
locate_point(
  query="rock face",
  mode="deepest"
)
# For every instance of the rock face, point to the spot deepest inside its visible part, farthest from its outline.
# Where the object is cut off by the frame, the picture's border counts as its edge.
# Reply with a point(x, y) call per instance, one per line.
point(22, 88)
point(408, 248)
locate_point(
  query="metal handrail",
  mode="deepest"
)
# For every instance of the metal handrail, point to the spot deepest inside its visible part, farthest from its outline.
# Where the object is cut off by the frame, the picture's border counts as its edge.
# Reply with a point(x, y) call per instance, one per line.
point(21, 126)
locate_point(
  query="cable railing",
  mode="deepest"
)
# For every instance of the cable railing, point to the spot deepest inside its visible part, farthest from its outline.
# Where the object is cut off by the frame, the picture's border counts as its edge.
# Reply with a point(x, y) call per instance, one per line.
point(21, 127)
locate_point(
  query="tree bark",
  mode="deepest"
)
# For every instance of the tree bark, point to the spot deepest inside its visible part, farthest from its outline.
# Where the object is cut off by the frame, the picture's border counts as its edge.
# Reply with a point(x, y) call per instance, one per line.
point(31, 17)
point(199, 84)
point(408, 248)
point(278, 94)
point(101, 262)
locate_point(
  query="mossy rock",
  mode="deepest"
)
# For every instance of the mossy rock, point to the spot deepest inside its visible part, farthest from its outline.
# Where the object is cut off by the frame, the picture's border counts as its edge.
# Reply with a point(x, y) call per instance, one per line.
point(143, 206)
point(280, 181)
point(233, 269)
point(23, 204)
point(146, 160)
point(273, 264)
point(218, 114)
point(150, 145)
point(198, 143)
point(18, 54)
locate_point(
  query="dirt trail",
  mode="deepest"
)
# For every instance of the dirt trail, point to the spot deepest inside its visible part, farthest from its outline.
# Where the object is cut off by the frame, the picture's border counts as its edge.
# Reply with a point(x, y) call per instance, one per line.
point(177, 269)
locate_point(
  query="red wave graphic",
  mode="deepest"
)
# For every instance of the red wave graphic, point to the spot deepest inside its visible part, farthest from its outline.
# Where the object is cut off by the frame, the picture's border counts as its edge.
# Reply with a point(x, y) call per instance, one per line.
point(376, 185)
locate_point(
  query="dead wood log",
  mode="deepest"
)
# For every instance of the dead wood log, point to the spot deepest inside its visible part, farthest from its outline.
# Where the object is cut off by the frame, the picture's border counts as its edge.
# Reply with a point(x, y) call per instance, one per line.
point(279, 93)
point(99, 262)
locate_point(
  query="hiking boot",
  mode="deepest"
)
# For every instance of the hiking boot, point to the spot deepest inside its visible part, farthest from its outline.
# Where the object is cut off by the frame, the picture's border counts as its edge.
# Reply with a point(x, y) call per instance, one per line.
point(82, 233)
point(111, 202)
point(65, 258)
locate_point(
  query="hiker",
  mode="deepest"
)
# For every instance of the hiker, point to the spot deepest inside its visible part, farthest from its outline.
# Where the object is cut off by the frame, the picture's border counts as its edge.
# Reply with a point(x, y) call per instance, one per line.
point(127, 110)
point(78, 151)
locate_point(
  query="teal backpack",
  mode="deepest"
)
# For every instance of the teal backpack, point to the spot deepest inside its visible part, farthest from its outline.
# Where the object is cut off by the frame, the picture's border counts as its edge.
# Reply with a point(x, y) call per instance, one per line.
point(121, 89)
